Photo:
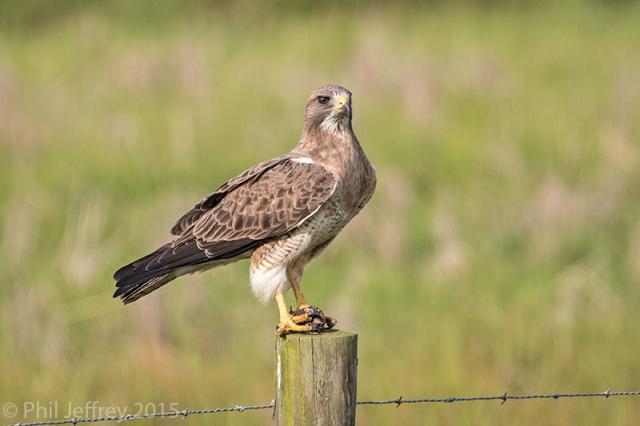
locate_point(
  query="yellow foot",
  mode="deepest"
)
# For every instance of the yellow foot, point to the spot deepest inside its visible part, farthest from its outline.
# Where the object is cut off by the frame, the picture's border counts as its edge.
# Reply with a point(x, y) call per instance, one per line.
point(288, 326)
point(306, 319)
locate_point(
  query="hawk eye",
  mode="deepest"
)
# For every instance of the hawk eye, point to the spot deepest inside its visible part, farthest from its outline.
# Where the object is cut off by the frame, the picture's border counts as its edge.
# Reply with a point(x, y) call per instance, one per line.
point(323, 99)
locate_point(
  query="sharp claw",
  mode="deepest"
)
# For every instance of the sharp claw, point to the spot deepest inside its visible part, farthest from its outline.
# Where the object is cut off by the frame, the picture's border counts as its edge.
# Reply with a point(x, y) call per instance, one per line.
point(331, 322)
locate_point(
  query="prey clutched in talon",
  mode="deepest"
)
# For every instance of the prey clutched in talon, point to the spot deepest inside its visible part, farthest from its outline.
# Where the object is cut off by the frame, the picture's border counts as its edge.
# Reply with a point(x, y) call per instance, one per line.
point(309, 314)
point(306, 319)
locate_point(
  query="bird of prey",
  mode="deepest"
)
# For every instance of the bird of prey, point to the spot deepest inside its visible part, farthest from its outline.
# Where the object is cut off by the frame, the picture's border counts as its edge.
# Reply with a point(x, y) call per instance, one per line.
point(280, 213)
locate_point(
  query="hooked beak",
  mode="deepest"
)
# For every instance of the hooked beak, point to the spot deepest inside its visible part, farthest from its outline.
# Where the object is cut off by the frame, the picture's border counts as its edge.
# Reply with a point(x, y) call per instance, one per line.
point(342, 105)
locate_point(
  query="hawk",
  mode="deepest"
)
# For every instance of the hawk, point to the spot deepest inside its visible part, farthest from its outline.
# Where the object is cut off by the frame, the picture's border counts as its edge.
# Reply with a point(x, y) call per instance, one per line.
point(280, 213)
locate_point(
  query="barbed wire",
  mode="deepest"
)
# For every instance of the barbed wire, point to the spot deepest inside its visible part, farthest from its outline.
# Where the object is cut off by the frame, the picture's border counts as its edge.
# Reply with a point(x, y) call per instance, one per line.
point(503, 398)
point(183, 414)
point(180, 414)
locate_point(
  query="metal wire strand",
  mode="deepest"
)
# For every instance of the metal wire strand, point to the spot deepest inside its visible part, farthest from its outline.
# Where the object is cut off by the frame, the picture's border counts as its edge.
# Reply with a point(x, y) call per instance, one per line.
point(502, 398)
point(182, 414)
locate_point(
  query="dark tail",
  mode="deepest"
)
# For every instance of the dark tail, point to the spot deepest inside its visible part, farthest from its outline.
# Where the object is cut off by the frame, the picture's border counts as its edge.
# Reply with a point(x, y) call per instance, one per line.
point(151, 272)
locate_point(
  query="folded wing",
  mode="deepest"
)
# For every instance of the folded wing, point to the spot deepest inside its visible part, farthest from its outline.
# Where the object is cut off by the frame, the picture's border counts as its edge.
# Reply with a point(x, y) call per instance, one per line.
point(262, 204)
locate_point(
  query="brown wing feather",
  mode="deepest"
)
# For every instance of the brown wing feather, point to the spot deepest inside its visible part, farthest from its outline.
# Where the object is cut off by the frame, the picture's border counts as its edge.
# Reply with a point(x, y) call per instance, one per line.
point(263, 203)
point(210, 201)
point(264, 207)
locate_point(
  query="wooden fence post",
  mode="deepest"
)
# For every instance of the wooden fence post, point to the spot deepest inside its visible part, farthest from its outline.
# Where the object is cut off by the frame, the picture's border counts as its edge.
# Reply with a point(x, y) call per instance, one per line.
point(316, 378)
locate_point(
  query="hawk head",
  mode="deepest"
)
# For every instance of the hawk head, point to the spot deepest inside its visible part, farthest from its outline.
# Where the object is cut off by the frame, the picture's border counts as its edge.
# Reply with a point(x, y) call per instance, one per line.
point(329, 109)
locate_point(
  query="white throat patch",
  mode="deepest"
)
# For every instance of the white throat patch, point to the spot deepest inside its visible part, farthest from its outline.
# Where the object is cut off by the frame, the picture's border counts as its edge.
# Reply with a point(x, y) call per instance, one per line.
point(335, 125)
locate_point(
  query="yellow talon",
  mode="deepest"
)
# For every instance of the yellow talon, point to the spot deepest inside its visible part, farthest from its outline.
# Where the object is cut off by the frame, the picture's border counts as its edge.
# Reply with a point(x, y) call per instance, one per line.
point(306, 319)
point(289, 326)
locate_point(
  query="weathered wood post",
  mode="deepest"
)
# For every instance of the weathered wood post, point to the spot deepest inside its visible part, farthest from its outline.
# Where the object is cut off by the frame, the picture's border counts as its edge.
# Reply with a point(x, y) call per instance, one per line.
point(316, 378)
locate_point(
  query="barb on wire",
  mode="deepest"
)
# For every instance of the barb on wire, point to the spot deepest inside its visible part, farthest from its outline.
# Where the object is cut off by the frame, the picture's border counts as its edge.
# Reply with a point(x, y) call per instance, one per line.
point(502, 398)
point(183, 414)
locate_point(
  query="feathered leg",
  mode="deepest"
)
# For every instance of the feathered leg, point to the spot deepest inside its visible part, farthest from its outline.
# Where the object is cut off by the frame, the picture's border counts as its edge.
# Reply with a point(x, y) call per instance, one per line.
point(306, 318)
point(294, 274)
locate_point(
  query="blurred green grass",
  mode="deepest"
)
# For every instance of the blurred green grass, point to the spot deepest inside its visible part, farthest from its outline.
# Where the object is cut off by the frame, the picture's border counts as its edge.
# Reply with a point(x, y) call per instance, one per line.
point(501, 251)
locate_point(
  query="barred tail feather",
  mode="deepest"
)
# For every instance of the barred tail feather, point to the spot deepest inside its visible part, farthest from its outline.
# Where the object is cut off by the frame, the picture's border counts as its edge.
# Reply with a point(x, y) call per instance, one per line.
point(151, 272)
point(133, 292)
point(169, 262)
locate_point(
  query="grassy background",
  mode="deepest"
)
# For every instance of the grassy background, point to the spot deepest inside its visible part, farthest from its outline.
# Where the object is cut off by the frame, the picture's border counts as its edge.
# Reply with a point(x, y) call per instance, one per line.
point(501, 251)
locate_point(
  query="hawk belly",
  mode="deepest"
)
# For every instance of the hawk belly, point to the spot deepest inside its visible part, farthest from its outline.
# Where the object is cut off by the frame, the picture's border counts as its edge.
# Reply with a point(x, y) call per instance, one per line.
point(269, 262)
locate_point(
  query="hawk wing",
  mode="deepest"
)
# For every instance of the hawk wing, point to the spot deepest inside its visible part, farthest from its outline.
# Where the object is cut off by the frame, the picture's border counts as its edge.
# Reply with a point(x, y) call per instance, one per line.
point(211, 200)
point(261, 204)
